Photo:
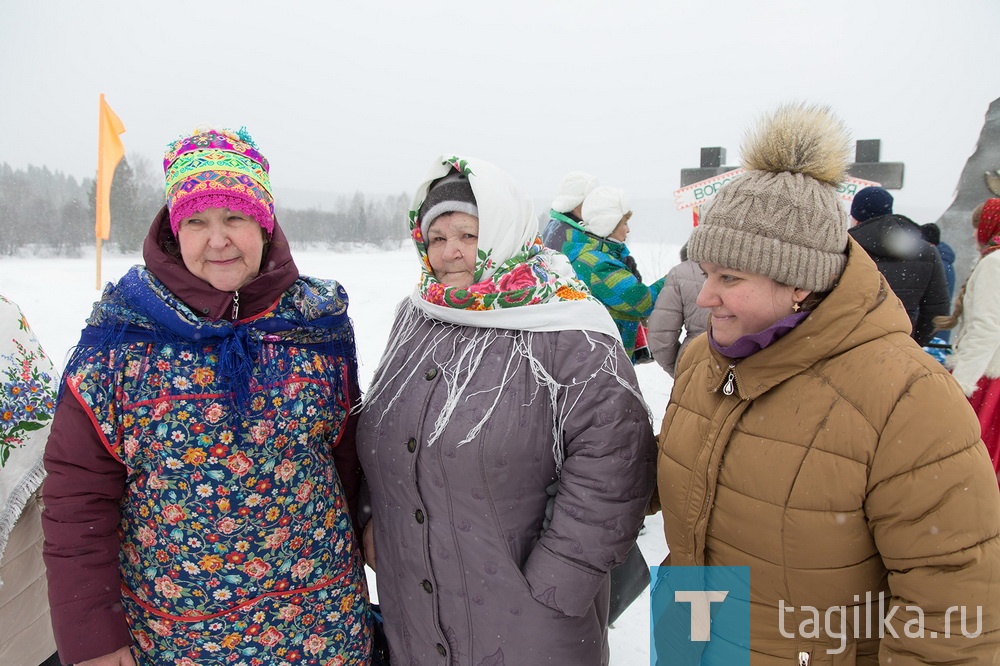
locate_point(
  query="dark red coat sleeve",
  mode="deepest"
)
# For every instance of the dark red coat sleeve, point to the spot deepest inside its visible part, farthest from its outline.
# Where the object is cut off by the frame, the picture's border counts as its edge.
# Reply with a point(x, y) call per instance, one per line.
point(82, 493)
point(345, 455)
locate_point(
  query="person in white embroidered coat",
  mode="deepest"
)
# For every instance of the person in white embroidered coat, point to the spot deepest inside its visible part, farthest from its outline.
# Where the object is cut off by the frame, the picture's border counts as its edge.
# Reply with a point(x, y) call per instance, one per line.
point(27, 401)
point(975, 362)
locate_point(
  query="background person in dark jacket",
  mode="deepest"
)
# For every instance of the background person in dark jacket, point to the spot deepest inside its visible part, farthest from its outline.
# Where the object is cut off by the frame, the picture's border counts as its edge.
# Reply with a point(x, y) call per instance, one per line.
point(911, 265)
point(931, 233)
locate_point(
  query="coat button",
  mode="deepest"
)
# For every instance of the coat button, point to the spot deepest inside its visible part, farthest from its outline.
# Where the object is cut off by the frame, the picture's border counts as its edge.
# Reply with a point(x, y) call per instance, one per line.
point(411, 445)
point(441, 650)
point(428, 588)
point(419, 515)
point(431, 374)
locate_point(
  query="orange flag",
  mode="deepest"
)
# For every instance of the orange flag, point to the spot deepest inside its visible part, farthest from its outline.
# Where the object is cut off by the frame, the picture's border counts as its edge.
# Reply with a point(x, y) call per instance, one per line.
point(109, 154)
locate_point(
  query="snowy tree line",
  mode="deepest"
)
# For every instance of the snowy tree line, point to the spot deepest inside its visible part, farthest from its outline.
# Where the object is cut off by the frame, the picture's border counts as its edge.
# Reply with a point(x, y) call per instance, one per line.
point(49, 212)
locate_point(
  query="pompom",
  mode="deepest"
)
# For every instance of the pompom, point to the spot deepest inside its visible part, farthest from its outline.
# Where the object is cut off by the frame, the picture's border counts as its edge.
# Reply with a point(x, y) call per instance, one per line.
point(245, 137)
point(800, 138)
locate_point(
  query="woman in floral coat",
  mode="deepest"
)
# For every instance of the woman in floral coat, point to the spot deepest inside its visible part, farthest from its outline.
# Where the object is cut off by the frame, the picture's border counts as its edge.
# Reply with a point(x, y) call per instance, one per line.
point(504, 385)
point(202, 464)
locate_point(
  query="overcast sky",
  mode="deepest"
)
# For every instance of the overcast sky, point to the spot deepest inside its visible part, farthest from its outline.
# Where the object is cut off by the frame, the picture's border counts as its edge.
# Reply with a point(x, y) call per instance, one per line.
point(362, 95)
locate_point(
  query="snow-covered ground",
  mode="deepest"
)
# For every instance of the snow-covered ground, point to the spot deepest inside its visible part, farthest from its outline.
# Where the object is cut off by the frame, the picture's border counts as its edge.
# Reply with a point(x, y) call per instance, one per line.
point(56, 295)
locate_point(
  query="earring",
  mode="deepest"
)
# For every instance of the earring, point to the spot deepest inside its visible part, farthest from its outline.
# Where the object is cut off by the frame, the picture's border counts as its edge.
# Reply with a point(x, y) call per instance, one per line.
point(795, 306)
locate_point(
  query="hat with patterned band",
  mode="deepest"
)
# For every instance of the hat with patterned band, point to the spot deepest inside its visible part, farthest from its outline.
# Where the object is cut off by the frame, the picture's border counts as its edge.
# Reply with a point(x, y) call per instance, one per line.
point(218, 169)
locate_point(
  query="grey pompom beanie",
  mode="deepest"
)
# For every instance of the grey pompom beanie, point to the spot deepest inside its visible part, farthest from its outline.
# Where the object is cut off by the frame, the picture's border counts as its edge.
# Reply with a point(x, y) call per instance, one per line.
point(783, 218)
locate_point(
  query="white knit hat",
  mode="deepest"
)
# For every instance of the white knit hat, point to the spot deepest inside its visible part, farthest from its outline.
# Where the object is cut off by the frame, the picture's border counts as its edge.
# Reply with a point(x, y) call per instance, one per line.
point(573, 190)
point(603, 209)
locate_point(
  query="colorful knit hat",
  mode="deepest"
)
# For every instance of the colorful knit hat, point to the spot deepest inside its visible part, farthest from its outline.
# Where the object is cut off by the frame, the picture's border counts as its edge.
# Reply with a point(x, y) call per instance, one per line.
point(988, 229)
point(218, 169)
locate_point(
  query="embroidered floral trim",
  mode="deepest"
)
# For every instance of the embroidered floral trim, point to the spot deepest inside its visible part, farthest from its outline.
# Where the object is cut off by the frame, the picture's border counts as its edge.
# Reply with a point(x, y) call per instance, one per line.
point(28, 398)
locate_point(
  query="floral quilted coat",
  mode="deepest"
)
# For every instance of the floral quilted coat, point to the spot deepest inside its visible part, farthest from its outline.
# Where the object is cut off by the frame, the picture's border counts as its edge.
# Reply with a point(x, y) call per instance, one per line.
point(237, 544)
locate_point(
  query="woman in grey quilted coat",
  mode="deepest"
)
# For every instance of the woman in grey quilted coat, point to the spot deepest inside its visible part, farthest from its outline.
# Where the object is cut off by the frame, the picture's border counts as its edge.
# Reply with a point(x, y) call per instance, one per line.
point(503, 378)
point(677, 319)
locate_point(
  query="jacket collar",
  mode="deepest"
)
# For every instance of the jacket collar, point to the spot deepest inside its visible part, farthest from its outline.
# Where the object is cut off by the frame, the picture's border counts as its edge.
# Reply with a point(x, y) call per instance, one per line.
point(568, 218)
point(856, 311)
point(578, 242)
point(880, 236)
point(258, 295)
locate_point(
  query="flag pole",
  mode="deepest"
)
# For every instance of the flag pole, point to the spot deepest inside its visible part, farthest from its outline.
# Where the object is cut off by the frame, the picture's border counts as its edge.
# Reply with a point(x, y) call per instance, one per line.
point(109, 154)
point(98, 187)
point(97, 285)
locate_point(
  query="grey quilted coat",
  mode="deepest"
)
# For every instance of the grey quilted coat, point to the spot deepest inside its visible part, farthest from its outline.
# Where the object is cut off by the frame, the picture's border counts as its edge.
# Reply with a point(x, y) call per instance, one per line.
point(466, 573)
point(676, 314)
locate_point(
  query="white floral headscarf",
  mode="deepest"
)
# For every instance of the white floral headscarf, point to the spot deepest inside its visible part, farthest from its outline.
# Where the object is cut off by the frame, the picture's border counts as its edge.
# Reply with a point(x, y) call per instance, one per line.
point(513, 268)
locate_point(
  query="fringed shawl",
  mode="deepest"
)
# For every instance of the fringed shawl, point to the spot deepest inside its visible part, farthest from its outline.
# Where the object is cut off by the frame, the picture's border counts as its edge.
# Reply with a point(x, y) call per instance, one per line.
point(459, 350)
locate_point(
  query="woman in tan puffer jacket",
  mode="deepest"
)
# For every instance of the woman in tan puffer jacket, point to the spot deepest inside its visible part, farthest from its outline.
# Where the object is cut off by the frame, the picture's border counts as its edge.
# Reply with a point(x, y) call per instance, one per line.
point(810, 439)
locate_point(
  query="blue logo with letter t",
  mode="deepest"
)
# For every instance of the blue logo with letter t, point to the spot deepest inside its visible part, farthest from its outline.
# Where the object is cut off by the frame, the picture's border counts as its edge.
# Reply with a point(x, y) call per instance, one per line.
point(699, 615)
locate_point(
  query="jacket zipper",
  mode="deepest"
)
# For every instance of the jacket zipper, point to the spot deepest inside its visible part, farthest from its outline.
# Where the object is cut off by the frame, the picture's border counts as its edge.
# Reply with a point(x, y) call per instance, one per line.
point(236, 305)
point(730, 386)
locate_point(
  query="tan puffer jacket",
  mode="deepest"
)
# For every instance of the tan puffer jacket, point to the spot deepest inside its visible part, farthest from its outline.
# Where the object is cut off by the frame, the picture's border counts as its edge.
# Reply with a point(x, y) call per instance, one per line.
point(846, 461)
